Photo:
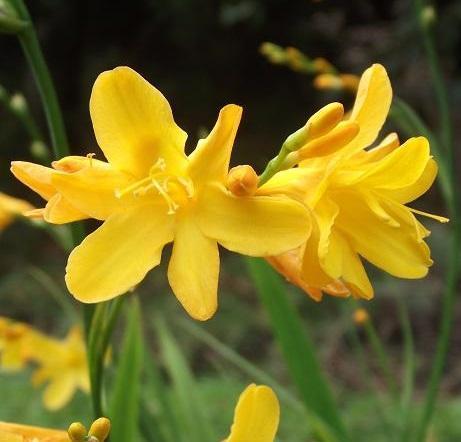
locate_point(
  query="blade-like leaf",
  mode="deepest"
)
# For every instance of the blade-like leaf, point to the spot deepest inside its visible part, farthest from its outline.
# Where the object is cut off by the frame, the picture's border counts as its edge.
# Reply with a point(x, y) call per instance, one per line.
point(124, 404)
point(297, 348)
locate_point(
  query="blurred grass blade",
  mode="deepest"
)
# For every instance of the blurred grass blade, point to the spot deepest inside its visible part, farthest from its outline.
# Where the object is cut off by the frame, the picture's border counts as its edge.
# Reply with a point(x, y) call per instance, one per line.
point(124, 404)
point(319, 429)
point(191, 410)
point(297, 348)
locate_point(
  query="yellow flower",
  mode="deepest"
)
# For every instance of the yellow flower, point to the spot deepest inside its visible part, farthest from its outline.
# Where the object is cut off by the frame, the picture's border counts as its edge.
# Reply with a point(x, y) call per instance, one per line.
point(10, 208)
point(150, 193)
point(358, 199)
point(63, 366)
point(256, 417)
point(24, 433)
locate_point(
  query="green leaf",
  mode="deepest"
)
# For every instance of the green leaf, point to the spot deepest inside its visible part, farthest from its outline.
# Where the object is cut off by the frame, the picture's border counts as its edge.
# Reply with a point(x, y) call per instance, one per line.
point(124, 404)
point(190, 409)
point(297, 348)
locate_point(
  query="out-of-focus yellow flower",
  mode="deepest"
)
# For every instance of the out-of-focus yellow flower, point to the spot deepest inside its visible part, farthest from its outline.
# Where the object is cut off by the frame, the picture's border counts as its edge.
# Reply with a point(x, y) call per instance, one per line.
point(24, 433)
point(348, 82)
point(256, 417)
point(10, 208)
point(358, 198)
point(150, 193)
point(62, 365)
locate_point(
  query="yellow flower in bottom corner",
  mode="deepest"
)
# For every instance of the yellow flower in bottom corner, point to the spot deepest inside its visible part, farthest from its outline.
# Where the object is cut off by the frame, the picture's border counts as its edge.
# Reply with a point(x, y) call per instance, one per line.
point(24, 433)
point(10, 208)
point(358, 198)
point(256, 416)
point(150, 193)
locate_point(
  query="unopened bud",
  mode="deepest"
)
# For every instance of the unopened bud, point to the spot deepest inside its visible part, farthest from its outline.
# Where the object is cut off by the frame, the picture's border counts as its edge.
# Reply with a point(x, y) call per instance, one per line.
point(18, 103)
point(325, 119)
point(10, 23)
point(428, 16)
point(361, 316)
point(323, 66)
point(274, 53)
point(339, 82)
point(242, 180)
point(100, 429)
point(77, 432)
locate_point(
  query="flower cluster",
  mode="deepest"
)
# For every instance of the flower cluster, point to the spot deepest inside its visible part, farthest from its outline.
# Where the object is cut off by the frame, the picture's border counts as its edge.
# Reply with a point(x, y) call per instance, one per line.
point(61, 364)
point(328, 201)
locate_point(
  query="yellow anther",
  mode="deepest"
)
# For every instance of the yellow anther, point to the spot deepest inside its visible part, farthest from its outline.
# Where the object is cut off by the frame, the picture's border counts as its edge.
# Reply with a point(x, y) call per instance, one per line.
point(100, 429)
point(77, 432)
point(242, 180)
point(160, 164)
point(325, 119)
point(361, 316)
point(90, 157)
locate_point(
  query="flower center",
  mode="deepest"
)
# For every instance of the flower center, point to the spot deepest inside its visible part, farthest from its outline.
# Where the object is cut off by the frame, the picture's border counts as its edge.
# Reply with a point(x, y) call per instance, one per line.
point(175, 190)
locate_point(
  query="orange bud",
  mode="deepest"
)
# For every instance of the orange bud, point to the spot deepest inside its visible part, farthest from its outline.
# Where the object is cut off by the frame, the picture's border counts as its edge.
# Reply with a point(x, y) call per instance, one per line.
point(242, 180)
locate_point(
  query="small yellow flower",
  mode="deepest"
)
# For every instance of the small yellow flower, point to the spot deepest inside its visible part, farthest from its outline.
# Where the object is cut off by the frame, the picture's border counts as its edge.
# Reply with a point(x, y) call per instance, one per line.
point(24, 433)
point(10, 208)
point(358, 199)
point(256, 417)
point(63, 366)
point(150, 193)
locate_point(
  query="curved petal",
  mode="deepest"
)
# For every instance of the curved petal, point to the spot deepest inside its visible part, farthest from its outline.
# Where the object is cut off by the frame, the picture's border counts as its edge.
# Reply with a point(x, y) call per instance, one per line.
point(133, 123)
point(34, 176)
point(396, 248)
point(210, 160)
point(254, 226)
point(193, 271)
point(118, 255)
point(256, 416)
point(92, 190)
point(59, 211)
point(372, 103)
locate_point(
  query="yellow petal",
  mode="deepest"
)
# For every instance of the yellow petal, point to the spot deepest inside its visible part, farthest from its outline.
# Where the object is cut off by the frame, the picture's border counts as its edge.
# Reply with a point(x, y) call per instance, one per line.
point(37, 177)
point(59, 391)
point(14, 206)
point(118, 255)
point(384, 148)
point(193, 271)
point(59, 211)
point(398, 250)
point(256, 417)
point(25, 433)
point(210, 160)
point(92, 190)
point(371, 106)
point(133, 123)
point(254, 226)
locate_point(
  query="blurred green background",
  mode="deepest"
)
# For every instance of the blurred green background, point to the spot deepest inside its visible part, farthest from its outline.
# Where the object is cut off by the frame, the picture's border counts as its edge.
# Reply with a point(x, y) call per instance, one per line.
point(203, 54)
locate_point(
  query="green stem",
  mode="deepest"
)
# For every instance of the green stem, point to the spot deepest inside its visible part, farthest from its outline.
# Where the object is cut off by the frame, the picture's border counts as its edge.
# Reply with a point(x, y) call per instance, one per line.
point(425, 14)
point(273, 166)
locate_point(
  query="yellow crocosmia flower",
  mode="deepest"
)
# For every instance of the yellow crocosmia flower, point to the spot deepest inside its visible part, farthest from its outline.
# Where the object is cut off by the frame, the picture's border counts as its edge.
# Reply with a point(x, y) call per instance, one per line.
point(10, 208)
point(256, 416)
point(358, 200)
point(15, 344)
point(150, 193)
point(63, 366)
point(10, 432)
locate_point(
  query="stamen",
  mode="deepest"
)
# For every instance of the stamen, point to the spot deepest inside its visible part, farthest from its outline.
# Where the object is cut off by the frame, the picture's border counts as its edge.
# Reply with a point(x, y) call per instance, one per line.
point(132, 188)
point(90, 156)
point(188, 186)
point(172, 206)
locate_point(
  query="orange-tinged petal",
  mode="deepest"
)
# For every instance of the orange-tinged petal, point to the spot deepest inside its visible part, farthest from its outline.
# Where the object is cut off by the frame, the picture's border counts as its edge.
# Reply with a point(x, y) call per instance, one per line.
point(193, 271)
point(37, 177)
point(256, 417)
point(10, 432)
point(255, 225)
point(133, 123)
point(210, 160)
point(371, 107)
point(118, 255)
point(92, 190)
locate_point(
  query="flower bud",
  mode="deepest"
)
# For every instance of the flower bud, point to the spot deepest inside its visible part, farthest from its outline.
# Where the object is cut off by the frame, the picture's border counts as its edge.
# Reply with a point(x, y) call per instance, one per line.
point(242, 180)
point(100, 429)
point(18, 104)
point(77, 432)
point(274, 53)
point(10, 23)
point(361, 316)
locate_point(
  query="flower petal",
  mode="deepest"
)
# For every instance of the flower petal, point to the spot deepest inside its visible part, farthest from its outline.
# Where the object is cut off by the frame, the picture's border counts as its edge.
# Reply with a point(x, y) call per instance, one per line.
point(118, 255)
point(396, 248)
point(59, 211)
point(371, 107)
point(35, 176)
point(59, 391)
point(133, 123)
point(256, 417)
point(254, 226)
point(92, 190)
point(210, 160)
point(193, 271)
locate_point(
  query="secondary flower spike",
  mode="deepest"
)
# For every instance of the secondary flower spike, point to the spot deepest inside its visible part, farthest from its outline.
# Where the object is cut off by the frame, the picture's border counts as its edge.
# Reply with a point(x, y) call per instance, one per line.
point(358, 198)
point(149, 193)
